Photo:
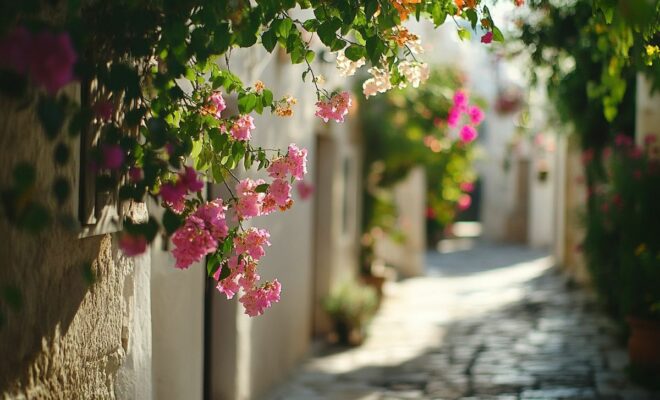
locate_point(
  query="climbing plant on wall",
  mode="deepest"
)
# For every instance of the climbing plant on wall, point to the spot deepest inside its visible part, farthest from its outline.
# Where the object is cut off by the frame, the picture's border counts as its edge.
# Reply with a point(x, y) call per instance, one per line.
point(154, 76)
point(432, 127)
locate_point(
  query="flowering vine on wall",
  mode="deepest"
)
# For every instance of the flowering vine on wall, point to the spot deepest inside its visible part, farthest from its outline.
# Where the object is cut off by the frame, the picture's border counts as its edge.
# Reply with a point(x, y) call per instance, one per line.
point(157, 104)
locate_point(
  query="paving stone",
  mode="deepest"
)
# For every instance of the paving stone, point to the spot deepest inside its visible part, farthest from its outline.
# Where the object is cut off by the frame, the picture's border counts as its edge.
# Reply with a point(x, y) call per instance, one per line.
point(470, 331)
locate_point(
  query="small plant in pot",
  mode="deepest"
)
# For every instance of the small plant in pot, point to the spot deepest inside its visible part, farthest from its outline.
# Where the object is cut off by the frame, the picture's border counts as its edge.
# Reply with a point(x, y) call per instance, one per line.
point(351, 306)
point(623, 245)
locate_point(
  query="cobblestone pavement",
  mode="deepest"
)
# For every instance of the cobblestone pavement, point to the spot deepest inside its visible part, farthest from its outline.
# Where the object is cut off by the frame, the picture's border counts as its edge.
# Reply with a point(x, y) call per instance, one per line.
point(491, 322)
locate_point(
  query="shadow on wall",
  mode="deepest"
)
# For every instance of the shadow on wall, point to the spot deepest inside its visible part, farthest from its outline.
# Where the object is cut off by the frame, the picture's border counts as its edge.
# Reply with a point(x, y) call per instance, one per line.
point(52, 278)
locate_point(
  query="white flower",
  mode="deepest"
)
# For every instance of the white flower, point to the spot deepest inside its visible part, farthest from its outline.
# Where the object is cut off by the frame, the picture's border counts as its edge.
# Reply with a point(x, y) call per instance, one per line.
point(414, 72)
point(415, 46)
point(347, 67)
point(379, 83)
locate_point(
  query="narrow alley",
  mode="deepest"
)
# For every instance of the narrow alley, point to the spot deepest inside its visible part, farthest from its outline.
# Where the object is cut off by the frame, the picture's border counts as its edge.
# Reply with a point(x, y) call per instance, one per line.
point(486, 322)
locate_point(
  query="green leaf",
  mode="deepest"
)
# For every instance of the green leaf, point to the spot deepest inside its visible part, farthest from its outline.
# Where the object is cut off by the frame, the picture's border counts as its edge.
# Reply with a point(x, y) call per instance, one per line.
point(269, 40)
point(284, 27)
point(311, 25)
point(375, 49)
point(355, 52)
point(171, 221)
point(497, 35)
point(267, 97)
point(464, 34)
point(309, 56)
point(261, 188)
point(212, 264)
point(246, 102)
point(328, 31)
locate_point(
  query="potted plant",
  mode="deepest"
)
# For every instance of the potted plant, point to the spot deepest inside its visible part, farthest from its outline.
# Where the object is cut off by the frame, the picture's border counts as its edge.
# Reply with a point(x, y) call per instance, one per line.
point(623, 245)
point(351, 306)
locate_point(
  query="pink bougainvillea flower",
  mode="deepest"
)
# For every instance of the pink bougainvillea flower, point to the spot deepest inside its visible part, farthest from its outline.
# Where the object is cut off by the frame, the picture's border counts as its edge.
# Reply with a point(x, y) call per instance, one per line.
point(622, 140)
point(460, 100)
point(334, 108)
point(487, 38)
point(476, 115)
point(519, 3)
point(213, 215)
point(305, 190)
point(249, 205)
point(135, 174)
point(218, 104)
point(268, 205)
point(255, 301)
point(103, 110)
point(250, 277)
point(464, 202)
point(467, 187)
point(467, 134)
point(278, 168)
point(189, 180)
point(281, 192)
point(174, 195)
point(229, 285)
point(453, 117)
point(113, 156)
point(193, 241)
point(52, 59)
point(132, 245)
point(242, 128)
point(14, 50)
point(252, 243)
point(297, 159)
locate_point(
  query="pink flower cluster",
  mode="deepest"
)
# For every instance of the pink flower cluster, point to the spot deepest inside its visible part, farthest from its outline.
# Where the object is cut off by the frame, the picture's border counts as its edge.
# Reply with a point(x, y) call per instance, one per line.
point(334, 108)
point(242, 128)
point(461, 107)
point(217, 104)
point(200, 234)
point(248, 248)
point(47, 58)
point(174, 193)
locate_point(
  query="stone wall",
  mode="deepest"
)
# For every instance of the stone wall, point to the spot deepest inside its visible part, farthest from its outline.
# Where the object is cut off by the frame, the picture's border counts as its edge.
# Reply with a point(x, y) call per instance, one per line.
point(73, 335)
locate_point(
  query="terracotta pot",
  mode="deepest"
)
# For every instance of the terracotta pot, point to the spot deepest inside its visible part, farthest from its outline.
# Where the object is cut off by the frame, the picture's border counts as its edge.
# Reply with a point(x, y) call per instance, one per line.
point(644, 343)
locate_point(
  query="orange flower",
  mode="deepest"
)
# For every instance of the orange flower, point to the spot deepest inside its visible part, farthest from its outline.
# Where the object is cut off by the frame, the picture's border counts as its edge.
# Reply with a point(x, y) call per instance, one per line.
point(404, 7)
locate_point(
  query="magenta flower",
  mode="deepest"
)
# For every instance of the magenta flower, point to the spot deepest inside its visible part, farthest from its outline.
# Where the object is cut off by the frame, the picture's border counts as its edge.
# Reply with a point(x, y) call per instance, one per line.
point(460, 100)
point(487, 38)
point(132, 245)
point(453, 117)
point(468, 134)
point(213, 215)
point(103, 110)
point(113, 156)
point(193, 241)
point(476, 115)
point(242, 128)
point(15, 50)
point(135, 174)
point(188, 179)
point(52, 59)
